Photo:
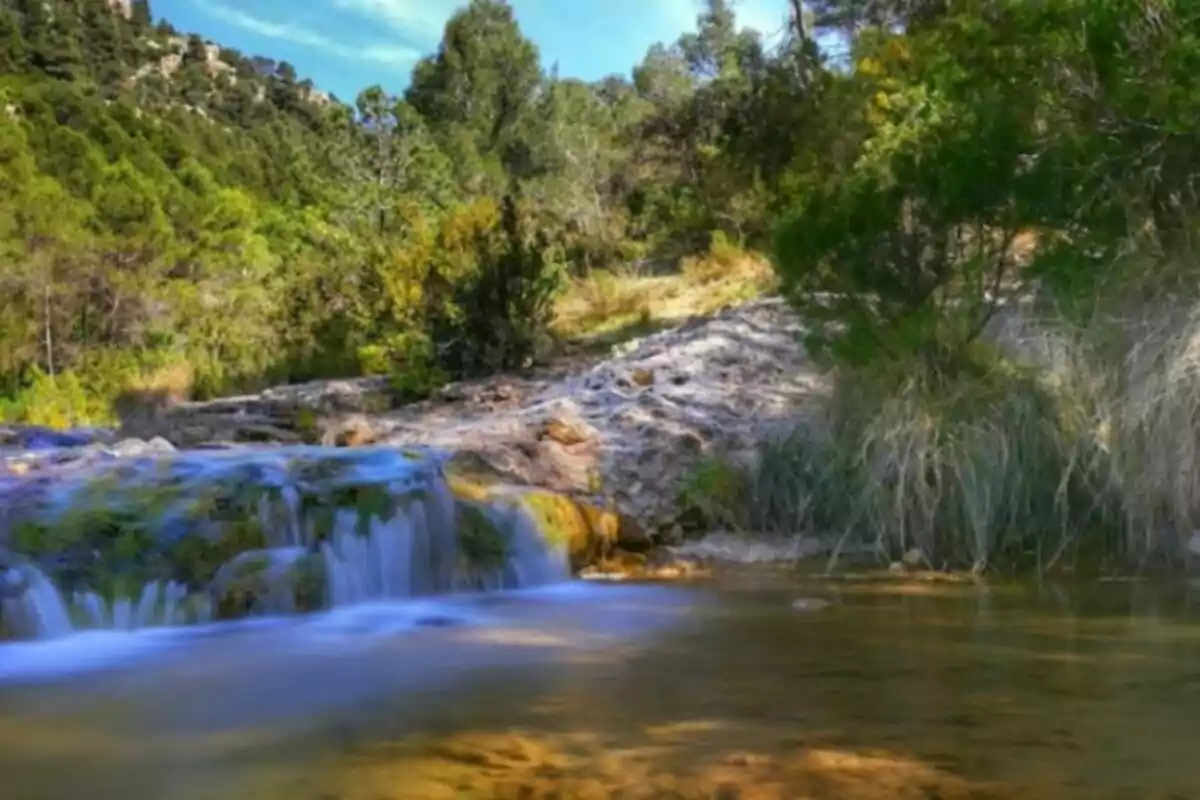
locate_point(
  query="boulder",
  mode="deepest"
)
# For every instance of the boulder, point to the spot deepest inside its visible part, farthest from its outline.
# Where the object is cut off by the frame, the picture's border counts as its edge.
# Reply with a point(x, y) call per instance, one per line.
point(276, 581)
point(586, 531)
point(620, 433)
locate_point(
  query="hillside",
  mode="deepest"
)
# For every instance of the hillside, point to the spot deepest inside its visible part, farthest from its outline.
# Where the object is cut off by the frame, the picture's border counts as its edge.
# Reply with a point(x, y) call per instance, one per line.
point(179, 222)
point(186, 219)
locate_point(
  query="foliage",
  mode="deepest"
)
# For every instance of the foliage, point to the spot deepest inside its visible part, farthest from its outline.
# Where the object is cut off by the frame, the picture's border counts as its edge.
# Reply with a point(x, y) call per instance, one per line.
point(169, 204)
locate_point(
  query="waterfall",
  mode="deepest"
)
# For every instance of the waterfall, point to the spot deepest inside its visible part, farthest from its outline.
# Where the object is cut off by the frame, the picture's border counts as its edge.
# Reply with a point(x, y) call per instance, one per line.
point(414, 553)
point(42, 611)
point(534, 559)
point(358, 525)
point(372, 567)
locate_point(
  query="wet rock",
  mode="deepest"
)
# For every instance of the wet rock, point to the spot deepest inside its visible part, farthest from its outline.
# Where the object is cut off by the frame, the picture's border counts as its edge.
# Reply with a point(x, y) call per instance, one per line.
point(810, 604)
point(628, 428)
point(353, 431)
point(483, 538)
point(621, 565)
point(275, 581)
point(183, 517)
point(137, 447)
point(586, 531)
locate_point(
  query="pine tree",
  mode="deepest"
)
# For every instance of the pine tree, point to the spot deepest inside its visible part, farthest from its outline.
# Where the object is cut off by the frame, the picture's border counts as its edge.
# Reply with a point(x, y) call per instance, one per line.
point(52, 34)
point(141, 16)
point(12, 44)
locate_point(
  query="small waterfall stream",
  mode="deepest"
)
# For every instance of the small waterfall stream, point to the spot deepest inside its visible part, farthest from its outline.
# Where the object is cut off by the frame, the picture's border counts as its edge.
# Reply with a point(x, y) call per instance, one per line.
point(366, 525)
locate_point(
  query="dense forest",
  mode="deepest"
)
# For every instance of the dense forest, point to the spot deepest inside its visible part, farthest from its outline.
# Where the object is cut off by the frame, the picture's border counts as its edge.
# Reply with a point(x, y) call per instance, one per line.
point(172, 208)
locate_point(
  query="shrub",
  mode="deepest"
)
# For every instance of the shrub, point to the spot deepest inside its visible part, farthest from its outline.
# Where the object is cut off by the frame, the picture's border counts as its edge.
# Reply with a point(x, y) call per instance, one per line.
point(1059, 445)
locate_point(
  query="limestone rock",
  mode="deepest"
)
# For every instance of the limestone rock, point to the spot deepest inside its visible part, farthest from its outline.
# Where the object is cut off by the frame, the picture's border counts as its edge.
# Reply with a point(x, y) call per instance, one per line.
point(569, 432)
point(355, 430)
point(642, 377)
point(620, 431)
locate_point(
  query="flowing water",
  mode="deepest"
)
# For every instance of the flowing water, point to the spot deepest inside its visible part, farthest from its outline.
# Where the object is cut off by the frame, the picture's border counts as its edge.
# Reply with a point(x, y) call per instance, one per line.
point(713, 690)
point(383, 524)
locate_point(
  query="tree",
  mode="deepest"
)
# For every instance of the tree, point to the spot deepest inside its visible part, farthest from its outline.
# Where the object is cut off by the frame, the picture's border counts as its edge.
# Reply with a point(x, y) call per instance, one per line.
point(52, 34)
point(140, 15)
point(477, 90)
point(12, 45)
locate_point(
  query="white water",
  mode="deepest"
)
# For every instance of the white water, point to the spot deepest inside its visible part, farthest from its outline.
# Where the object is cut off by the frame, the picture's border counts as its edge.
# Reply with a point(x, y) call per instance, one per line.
point(43, 611)
point(414, 553)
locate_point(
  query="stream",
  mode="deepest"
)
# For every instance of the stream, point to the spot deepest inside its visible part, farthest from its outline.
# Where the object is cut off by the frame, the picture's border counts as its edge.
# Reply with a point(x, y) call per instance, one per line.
point(717, 689)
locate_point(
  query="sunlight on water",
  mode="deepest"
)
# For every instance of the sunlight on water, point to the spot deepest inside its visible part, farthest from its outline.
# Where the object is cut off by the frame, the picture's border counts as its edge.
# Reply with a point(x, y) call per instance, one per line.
point(586, 691)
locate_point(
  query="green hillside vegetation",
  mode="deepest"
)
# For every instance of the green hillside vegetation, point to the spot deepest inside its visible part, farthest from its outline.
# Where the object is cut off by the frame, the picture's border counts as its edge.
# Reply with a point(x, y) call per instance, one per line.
point(183, 217)
point(998, 257)
point(179, 214)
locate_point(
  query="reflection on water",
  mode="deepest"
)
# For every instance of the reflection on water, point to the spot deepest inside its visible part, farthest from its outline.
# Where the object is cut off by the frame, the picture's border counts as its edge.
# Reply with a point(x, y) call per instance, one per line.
point(605, 692)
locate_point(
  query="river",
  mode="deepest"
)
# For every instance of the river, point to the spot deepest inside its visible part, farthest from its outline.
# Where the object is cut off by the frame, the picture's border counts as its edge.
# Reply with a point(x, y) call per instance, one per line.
point(715, 690)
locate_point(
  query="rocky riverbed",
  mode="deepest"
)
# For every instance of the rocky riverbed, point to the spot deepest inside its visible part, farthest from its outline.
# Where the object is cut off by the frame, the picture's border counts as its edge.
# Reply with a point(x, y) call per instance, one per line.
point(223, 508)
point(620, 431)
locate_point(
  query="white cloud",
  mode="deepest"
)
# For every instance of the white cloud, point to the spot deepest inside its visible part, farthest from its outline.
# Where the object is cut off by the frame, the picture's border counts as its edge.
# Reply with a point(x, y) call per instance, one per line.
point(380, 53)
point(768, 17)
point(421, 19)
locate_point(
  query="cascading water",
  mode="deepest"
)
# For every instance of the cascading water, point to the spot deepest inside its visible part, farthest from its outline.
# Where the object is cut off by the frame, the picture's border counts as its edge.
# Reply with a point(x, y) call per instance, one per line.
point(380, 524)
point(42, 611)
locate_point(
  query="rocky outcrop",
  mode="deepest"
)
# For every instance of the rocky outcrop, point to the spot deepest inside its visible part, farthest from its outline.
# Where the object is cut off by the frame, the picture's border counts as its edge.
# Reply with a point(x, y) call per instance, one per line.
point(194, 536)
point(619, 433)
point(122, 7)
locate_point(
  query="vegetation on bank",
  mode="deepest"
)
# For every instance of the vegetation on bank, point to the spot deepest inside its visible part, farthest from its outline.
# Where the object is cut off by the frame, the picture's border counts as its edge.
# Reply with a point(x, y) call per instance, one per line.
point(985, 211)
point(1001, 273)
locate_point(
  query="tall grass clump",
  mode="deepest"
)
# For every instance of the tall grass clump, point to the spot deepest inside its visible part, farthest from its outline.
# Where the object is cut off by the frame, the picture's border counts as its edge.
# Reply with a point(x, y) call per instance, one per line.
point(1055, 445)
point(984, 468)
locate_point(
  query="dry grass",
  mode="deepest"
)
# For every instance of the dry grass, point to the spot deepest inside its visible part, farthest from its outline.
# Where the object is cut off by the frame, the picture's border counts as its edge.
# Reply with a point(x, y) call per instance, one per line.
point(174, 381)
point(147, 395)
point(1068, 447)
point(608, 301)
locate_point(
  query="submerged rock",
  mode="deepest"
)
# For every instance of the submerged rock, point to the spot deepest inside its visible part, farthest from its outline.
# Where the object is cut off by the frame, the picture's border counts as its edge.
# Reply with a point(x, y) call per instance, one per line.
point(661, 565)
point(810, 604)
point(277, 581)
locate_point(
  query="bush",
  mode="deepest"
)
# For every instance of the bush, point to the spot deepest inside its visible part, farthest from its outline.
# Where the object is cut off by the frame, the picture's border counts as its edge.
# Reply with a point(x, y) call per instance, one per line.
point(1060, 445)
point(724, 259)
point(502, 311)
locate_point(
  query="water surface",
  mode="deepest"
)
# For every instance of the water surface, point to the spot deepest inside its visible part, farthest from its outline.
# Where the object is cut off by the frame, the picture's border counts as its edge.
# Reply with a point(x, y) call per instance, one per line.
point(721, 690)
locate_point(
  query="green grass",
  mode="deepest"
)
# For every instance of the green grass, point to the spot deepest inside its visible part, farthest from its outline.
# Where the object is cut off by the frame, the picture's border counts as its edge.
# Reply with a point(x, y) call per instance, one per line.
point(1057, 448)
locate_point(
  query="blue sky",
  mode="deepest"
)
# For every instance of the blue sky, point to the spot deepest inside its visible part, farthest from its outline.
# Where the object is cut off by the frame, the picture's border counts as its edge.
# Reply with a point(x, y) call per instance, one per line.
point(345, 45)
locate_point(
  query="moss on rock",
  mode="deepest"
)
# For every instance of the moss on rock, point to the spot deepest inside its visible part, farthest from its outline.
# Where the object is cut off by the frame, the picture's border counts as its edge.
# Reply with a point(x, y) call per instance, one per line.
point(483, 543)
point(587, 531)
point(269, 581)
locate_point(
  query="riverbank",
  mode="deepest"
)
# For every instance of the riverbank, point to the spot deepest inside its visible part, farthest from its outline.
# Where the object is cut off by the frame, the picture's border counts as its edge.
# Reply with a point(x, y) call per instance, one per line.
point(622, 430)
